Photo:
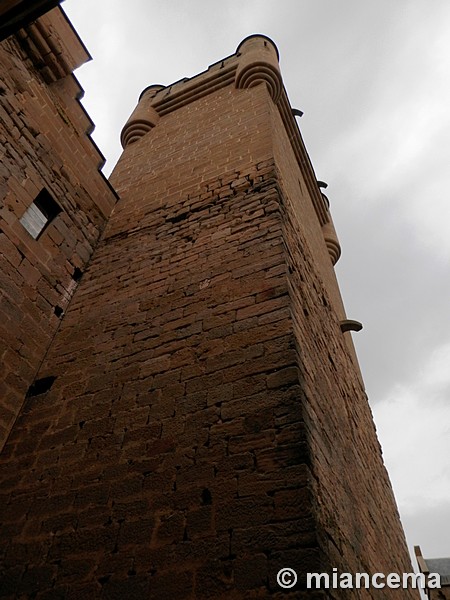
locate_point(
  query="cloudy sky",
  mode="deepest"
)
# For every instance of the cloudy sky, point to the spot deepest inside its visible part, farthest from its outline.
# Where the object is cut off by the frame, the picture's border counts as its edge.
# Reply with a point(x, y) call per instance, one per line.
point(373, 79)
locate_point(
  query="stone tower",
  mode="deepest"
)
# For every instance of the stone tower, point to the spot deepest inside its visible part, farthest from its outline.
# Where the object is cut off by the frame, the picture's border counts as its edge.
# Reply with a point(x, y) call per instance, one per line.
point(199, 421)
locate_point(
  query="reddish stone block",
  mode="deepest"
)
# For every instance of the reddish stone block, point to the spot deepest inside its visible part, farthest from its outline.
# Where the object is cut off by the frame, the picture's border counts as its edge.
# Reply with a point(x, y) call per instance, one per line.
point(282, 377)
point(136, 532)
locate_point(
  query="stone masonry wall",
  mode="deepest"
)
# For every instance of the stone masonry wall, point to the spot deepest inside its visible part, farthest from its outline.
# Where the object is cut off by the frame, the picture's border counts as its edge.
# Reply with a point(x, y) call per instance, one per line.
point(168, 457)
point(43, 144)
point(195, 436)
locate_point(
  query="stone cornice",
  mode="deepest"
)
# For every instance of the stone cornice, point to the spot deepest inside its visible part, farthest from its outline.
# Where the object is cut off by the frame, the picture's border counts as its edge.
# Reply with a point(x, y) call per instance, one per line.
point(53, 46)
point(16, 14)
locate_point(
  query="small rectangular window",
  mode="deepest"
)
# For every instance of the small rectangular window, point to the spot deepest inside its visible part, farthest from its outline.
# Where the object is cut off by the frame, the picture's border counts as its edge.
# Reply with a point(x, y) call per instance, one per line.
point(40, 213)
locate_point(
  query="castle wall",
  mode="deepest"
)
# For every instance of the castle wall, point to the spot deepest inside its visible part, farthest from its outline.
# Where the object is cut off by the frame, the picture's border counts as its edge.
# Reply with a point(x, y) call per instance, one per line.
point(43, 145)
point(201, 422)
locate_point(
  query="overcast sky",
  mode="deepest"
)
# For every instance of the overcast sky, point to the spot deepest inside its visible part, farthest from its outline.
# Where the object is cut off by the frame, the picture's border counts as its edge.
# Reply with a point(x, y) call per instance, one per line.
point(373, 79)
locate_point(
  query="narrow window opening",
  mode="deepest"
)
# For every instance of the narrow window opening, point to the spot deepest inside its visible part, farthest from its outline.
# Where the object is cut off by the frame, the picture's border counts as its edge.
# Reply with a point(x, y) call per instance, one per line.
point(40, 386)
point(40, 213)
point(206, 497)
point(77, 273)
point(58, 311)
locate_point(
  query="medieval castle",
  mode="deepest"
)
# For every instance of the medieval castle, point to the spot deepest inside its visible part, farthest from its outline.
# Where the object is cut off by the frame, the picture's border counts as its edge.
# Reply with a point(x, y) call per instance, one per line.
point(182, 414)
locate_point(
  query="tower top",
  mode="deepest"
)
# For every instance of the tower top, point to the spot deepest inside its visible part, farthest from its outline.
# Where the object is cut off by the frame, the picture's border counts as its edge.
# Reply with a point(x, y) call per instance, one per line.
point(258, 37)
point(255, 62)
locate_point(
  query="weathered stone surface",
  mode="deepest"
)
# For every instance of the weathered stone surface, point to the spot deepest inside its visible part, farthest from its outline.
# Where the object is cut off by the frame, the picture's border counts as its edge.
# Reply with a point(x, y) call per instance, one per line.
point(43, 144)
point(202, 422)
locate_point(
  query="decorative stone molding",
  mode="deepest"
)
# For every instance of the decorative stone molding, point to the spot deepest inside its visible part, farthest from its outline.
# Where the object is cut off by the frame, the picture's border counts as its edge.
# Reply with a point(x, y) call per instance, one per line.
point(16, 14)
point(258, 63)
point(53, 46)
point(143, 118)
point(332, 241)
point(328, 230)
